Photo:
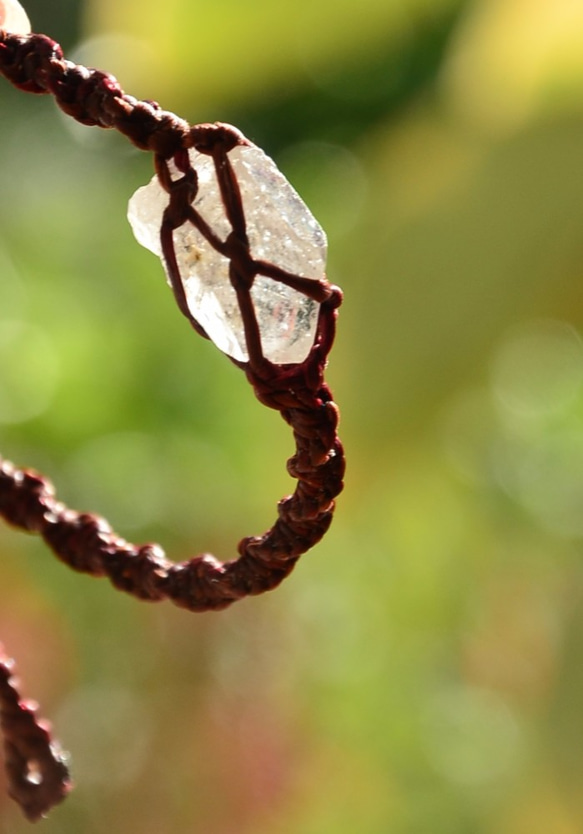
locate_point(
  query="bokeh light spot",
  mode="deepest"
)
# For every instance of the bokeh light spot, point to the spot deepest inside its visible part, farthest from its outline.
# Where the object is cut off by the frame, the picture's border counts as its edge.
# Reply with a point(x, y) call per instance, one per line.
point(549, 481)
point(28, 371)
point(115, 474)
point(331, 180)
point(109, 729)
point(471, 736)
point(538, 369)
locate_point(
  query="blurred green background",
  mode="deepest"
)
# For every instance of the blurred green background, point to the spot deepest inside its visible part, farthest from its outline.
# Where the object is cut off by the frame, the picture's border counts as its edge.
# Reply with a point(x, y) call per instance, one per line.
point(422, 669)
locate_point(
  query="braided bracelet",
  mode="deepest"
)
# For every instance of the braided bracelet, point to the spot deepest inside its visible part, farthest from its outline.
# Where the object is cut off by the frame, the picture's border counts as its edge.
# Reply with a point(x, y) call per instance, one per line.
point(245, 260)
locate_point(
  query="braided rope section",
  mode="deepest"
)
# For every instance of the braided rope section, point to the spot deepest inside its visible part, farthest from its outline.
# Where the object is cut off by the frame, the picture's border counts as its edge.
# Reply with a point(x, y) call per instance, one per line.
point(35, 63)
point(38, 777)
point(85, 541)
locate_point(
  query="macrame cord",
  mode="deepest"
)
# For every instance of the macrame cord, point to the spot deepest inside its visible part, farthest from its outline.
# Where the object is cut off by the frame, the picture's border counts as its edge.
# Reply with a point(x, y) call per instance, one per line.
point(84, 541)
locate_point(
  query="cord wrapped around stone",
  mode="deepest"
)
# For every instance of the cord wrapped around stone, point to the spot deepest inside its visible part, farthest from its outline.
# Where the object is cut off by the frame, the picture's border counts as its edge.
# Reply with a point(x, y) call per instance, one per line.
point(84, 541)
point(87, 543)
point(35, 63)
point(36, 768)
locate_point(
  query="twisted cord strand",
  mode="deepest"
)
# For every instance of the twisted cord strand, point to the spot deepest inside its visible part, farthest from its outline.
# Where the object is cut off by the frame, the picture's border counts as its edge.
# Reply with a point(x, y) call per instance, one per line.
point(37, 773)
point(35, 64)
point(85, 541)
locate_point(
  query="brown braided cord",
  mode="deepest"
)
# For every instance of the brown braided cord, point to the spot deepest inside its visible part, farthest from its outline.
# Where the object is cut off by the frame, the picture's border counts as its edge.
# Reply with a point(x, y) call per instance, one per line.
point(38, 777)
point(86, 542)
point(35, 63)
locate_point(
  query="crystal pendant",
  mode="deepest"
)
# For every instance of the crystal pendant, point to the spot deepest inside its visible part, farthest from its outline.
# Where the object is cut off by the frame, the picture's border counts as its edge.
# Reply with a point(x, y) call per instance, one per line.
point(280, 229)
point(13, 18)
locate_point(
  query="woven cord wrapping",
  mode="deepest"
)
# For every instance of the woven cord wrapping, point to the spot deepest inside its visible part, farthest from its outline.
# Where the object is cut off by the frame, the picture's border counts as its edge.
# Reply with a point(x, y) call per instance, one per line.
point(86, 542)
point(37, 774)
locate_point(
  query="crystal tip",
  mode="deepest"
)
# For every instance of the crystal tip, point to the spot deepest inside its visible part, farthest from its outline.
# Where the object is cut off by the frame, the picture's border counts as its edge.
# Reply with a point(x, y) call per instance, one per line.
point(13, 18)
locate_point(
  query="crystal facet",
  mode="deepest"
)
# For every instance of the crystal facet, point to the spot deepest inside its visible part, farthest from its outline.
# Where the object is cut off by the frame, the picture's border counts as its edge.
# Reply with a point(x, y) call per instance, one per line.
point(13, 18)
point(281, 230)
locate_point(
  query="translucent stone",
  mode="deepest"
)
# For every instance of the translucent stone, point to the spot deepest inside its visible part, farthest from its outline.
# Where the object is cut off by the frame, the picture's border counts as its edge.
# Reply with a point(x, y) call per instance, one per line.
point(281, 230)
point(13, 18)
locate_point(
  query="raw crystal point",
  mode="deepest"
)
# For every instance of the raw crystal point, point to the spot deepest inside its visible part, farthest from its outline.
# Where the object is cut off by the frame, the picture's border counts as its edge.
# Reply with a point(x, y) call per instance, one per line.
point(281, 230)
point(13, 18)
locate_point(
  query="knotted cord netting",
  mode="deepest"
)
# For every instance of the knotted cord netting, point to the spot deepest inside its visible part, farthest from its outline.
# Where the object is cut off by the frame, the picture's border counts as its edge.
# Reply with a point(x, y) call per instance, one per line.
point(85, 541)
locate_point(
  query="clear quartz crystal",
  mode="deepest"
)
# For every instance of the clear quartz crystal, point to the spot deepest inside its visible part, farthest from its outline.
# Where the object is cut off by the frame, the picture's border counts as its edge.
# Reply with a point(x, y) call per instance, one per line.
point(13, 18)
point(281, 230)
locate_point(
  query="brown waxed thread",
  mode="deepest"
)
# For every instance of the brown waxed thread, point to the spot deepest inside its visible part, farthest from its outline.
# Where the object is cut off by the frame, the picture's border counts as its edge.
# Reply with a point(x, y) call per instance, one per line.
point(38, 777)
point(86, 542)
